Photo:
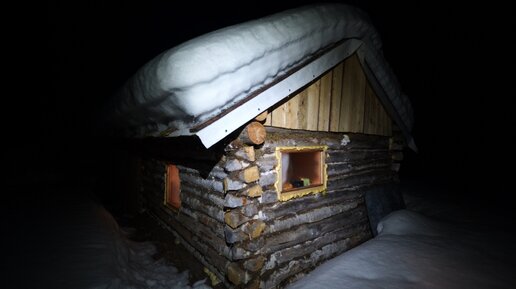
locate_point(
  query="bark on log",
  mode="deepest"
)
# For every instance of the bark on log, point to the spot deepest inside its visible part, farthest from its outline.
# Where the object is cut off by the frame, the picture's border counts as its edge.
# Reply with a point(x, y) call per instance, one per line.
point(292, 268)
point(286, 255)
point(309, 231)
point(309, 202)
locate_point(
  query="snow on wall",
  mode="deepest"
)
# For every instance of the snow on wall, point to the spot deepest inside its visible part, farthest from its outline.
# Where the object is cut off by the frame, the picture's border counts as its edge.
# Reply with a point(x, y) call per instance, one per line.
point(197, 79)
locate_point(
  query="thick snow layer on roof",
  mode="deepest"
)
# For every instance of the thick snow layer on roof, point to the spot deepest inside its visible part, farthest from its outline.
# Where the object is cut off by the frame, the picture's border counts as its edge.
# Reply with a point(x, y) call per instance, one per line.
point(197, 79)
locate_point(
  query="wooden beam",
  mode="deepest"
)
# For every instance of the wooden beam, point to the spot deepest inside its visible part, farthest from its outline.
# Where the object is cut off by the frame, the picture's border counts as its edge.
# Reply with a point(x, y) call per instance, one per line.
point(254, 133)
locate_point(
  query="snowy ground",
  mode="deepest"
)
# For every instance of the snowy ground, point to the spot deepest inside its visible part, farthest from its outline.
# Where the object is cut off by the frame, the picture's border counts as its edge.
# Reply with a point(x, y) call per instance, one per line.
point(69, 241)
point(437, 242)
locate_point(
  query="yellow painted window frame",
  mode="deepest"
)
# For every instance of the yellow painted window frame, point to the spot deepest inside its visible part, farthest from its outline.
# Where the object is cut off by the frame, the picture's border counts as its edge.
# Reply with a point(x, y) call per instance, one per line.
point(285, 196)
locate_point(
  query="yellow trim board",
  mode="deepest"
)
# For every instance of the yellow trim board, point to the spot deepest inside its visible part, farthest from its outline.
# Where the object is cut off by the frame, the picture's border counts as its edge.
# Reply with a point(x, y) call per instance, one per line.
point(301, 192)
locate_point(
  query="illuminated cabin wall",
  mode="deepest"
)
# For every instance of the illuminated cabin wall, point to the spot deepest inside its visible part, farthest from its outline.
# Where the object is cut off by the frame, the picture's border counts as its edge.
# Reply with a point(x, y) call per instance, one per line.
point(234, 221)
point(340, 101)
point(232, 217)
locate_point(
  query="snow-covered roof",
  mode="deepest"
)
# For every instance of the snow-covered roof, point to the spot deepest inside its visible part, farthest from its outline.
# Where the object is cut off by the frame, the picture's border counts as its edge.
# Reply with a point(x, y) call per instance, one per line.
point(211, 85)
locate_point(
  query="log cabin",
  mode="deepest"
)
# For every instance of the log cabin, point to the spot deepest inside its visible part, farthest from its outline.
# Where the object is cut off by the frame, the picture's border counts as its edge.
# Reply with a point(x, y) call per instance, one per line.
point(294, 167)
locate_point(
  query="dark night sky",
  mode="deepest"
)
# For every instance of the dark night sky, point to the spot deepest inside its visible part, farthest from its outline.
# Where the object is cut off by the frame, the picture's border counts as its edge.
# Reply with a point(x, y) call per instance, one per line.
point(454, 61)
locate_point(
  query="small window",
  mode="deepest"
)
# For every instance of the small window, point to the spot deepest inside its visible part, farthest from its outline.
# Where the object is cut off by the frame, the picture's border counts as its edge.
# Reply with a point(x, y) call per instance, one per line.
point(172, 187)
point(301, 171)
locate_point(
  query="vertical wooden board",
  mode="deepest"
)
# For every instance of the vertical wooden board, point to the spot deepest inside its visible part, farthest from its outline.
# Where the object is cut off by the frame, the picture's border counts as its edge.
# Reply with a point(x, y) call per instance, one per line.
point(292, 112)
point(325, 102)
point(279, 116)
point(268, 120)
point(353, 95)
point(336, 91)
point(312, 106)
point(385, 121)
point(302, 110)
point(372, 118)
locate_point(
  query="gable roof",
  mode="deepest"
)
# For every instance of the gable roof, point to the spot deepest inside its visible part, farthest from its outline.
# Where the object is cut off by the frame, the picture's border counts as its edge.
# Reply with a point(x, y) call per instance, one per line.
point(211, 85)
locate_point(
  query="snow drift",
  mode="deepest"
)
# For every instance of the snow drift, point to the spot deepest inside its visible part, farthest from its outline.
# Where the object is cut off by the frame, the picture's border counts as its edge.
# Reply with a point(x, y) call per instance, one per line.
point(413, 251)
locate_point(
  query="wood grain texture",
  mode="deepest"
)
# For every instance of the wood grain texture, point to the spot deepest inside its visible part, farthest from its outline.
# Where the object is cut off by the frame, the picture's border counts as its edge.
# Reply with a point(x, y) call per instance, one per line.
point(353, 96)
point(341, 100)
point(323, 122)
point(336, 95)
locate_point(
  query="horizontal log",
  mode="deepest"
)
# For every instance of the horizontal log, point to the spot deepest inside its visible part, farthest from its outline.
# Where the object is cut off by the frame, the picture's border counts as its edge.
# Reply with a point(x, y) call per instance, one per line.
point(306, 248)
point(250, 209)
point(233, 185)
point(250, 174)
point(269, 196)
point(216, 172)
point(267, 162)
point(232, 165)
point(254, 191)
point(232, 201)
point(339, 156)
point(360, 179)
point(201, 206)
point(253, 134)
point(210, 198)
point(337, 169)
point(234, 235)
point(210, 185)
point(246, 153)
point(309, 202)
point(315, 215)
point(310, 231)
point(290, 269)
point(254, 228)
point(235, 218)
point(289, 137)
point(254, 264)
point(215, 226)
point(267, 179)
point(238, 253)
point(214, 236)
point(219, 271)
point(218, 258)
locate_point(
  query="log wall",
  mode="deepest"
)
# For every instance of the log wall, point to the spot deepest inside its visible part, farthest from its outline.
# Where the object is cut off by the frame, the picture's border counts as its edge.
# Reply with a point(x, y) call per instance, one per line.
point(274, 241)
point(340, 101)
point(199, 223)
point(231, 218)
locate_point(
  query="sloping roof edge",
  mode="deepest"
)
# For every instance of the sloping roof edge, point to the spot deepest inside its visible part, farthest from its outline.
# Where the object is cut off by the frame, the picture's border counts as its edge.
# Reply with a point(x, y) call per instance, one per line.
point(167, 97)
point(239, 116)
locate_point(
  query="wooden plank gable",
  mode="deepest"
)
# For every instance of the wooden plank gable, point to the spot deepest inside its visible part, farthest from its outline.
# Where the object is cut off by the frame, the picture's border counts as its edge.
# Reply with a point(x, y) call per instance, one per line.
point(341, 100)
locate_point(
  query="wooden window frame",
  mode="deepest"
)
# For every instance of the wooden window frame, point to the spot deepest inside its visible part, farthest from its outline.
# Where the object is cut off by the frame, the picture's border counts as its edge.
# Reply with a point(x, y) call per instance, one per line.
point(295, 193)
point(171, 187)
